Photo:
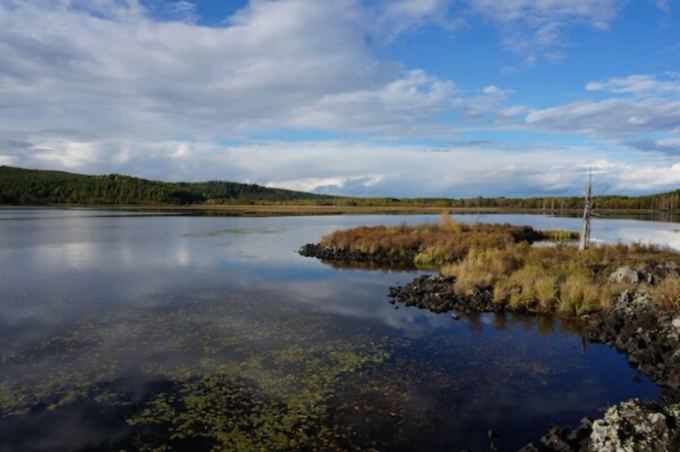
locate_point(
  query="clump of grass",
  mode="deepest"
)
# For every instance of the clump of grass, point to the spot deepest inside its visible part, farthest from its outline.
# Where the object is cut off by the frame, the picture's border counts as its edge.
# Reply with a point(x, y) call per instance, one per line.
point(501, 291)
point(546, 292)
point(523, 282)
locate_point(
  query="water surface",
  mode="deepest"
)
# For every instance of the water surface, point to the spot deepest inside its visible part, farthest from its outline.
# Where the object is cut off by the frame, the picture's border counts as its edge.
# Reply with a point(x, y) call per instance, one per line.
point(128, 331)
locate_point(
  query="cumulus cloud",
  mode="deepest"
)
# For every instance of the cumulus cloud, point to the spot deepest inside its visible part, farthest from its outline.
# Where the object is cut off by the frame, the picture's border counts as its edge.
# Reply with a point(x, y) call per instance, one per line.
point(275, 63)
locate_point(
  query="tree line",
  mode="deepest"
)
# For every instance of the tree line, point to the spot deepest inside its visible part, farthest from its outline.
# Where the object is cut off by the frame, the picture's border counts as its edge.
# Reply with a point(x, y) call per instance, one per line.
point(25, 186)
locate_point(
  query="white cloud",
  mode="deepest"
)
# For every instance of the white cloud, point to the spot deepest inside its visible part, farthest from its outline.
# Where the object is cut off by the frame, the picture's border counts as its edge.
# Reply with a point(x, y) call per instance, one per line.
point(532, 28)
point(610, 118)
point(405, 101)
point(635, 84)
point(511, 112)
point(485, 103)
point(8, 160)
point(275, 63)
point(399, 16)
point(65, 154)
point(369, 170)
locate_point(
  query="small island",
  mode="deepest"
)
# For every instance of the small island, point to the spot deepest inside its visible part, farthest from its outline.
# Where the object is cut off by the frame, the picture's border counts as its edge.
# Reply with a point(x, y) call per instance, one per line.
point(626, 296)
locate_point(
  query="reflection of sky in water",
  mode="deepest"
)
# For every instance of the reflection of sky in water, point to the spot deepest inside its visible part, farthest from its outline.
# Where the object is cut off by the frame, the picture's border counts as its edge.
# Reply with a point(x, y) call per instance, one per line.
point(113, 260)
point(59, 267)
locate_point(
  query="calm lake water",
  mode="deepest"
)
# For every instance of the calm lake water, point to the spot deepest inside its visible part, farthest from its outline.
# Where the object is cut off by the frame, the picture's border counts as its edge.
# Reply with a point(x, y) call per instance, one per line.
point(127, 331)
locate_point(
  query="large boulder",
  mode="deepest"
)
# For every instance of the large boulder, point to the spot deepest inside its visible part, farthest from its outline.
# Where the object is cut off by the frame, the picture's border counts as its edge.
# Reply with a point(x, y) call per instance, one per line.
point(625, 275)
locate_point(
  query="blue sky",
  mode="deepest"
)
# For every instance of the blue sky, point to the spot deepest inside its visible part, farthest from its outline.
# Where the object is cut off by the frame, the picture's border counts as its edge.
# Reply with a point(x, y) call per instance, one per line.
point(370, 98)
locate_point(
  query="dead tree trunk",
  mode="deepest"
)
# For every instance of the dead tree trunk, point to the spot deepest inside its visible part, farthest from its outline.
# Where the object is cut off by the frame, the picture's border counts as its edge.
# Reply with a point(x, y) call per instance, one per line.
point(587, 214)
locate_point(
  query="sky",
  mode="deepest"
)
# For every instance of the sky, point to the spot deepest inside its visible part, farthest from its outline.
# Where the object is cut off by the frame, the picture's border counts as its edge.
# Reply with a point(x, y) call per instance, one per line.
point(401, 98)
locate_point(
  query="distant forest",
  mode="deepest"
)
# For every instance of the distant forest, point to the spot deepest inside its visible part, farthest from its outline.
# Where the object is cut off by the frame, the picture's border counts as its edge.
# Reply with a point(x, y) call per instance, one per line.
point(37, 187)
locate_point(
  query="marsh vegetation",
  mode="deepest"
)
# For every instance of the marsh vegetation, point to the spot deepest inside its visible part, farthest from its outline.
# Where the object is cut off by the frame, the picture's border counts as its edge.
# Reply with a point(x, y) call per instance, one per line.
point(500, 258)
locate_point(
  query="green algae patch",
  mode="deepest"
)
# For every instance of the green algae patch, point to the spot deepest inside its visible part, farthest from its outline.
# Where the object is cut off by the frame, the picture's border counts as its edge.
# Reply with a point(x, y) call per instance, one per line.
point(225, 373)
point(274, 401)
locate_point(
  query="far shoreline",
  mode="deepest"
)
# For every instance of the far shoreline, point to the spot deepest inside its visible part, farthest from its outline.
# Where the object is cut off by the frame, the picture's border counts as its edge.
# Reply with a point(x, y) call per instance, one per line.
point(285, 210)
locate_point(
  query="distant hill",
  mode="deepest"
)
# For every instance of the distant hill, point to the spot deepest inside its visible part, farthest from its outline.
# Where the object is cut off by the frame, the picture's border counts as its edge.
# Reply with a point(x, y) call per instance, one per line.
point(26, 186)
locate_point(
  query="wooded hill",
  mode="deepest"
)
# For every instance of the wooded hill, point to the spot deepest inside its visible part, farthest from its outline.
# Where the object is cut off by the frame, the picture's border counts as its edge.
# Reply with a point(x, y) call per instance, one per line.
point(24, 186)
point(35, 187)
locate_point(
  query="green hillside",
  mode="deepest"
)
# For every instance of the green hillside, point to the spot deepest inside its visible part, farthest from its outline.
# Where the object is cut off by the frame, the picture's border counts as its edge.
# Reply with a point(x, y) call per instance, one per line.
point(24, 186)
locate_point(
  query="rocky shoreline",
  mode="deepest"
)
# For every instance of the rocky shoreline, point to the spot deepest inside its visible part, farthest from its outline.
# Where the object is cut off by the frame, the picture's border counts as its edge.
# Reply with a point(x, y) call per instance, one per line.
point(646, 334)
point(635, 325)
point(435, 293)
point(630, 426)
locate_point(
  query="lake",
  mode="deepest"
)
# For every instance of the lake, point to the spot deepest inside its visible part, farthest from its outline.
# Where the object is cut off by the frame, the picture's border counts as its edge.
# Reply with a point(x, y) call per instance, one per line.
point(133, 331)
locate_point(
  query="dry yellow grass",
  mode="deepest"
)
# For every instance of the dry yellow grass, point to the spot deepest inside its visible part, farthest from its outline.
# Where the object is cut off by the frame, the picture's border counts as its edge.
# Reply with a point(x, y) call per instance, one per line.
point(500, 258)
point(667, 293)
point(447, 241)
point(560, 279)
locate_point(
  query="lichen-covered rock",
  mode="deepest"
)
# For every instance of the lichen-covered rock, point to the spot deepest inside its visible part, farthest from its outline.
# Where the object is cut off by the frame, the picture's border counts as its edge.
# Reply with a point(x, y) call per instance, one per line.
point(631, 427)
point(625, 275)
point(676, 323)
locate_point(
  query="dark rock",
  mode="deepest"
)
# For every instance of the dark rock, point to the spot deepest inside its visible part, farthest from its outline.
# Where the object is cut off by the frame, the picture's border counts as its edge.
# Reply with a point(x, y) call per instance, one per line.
point(638, 327)
point(335, 253)
point(436, 293)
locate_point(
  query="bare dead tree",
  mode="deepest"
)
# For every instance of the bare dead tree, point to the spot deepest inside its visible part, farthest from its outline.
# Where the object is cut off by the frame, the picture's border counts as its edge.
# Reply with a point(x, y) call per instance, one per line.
point(590, 209)
point(587, 214)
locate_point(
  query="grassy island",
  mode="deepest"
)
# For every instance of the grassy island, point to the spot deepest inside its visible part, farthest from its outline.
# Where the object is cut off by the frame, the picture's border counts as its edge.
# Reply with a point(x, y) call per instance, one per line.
point(504, 260)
